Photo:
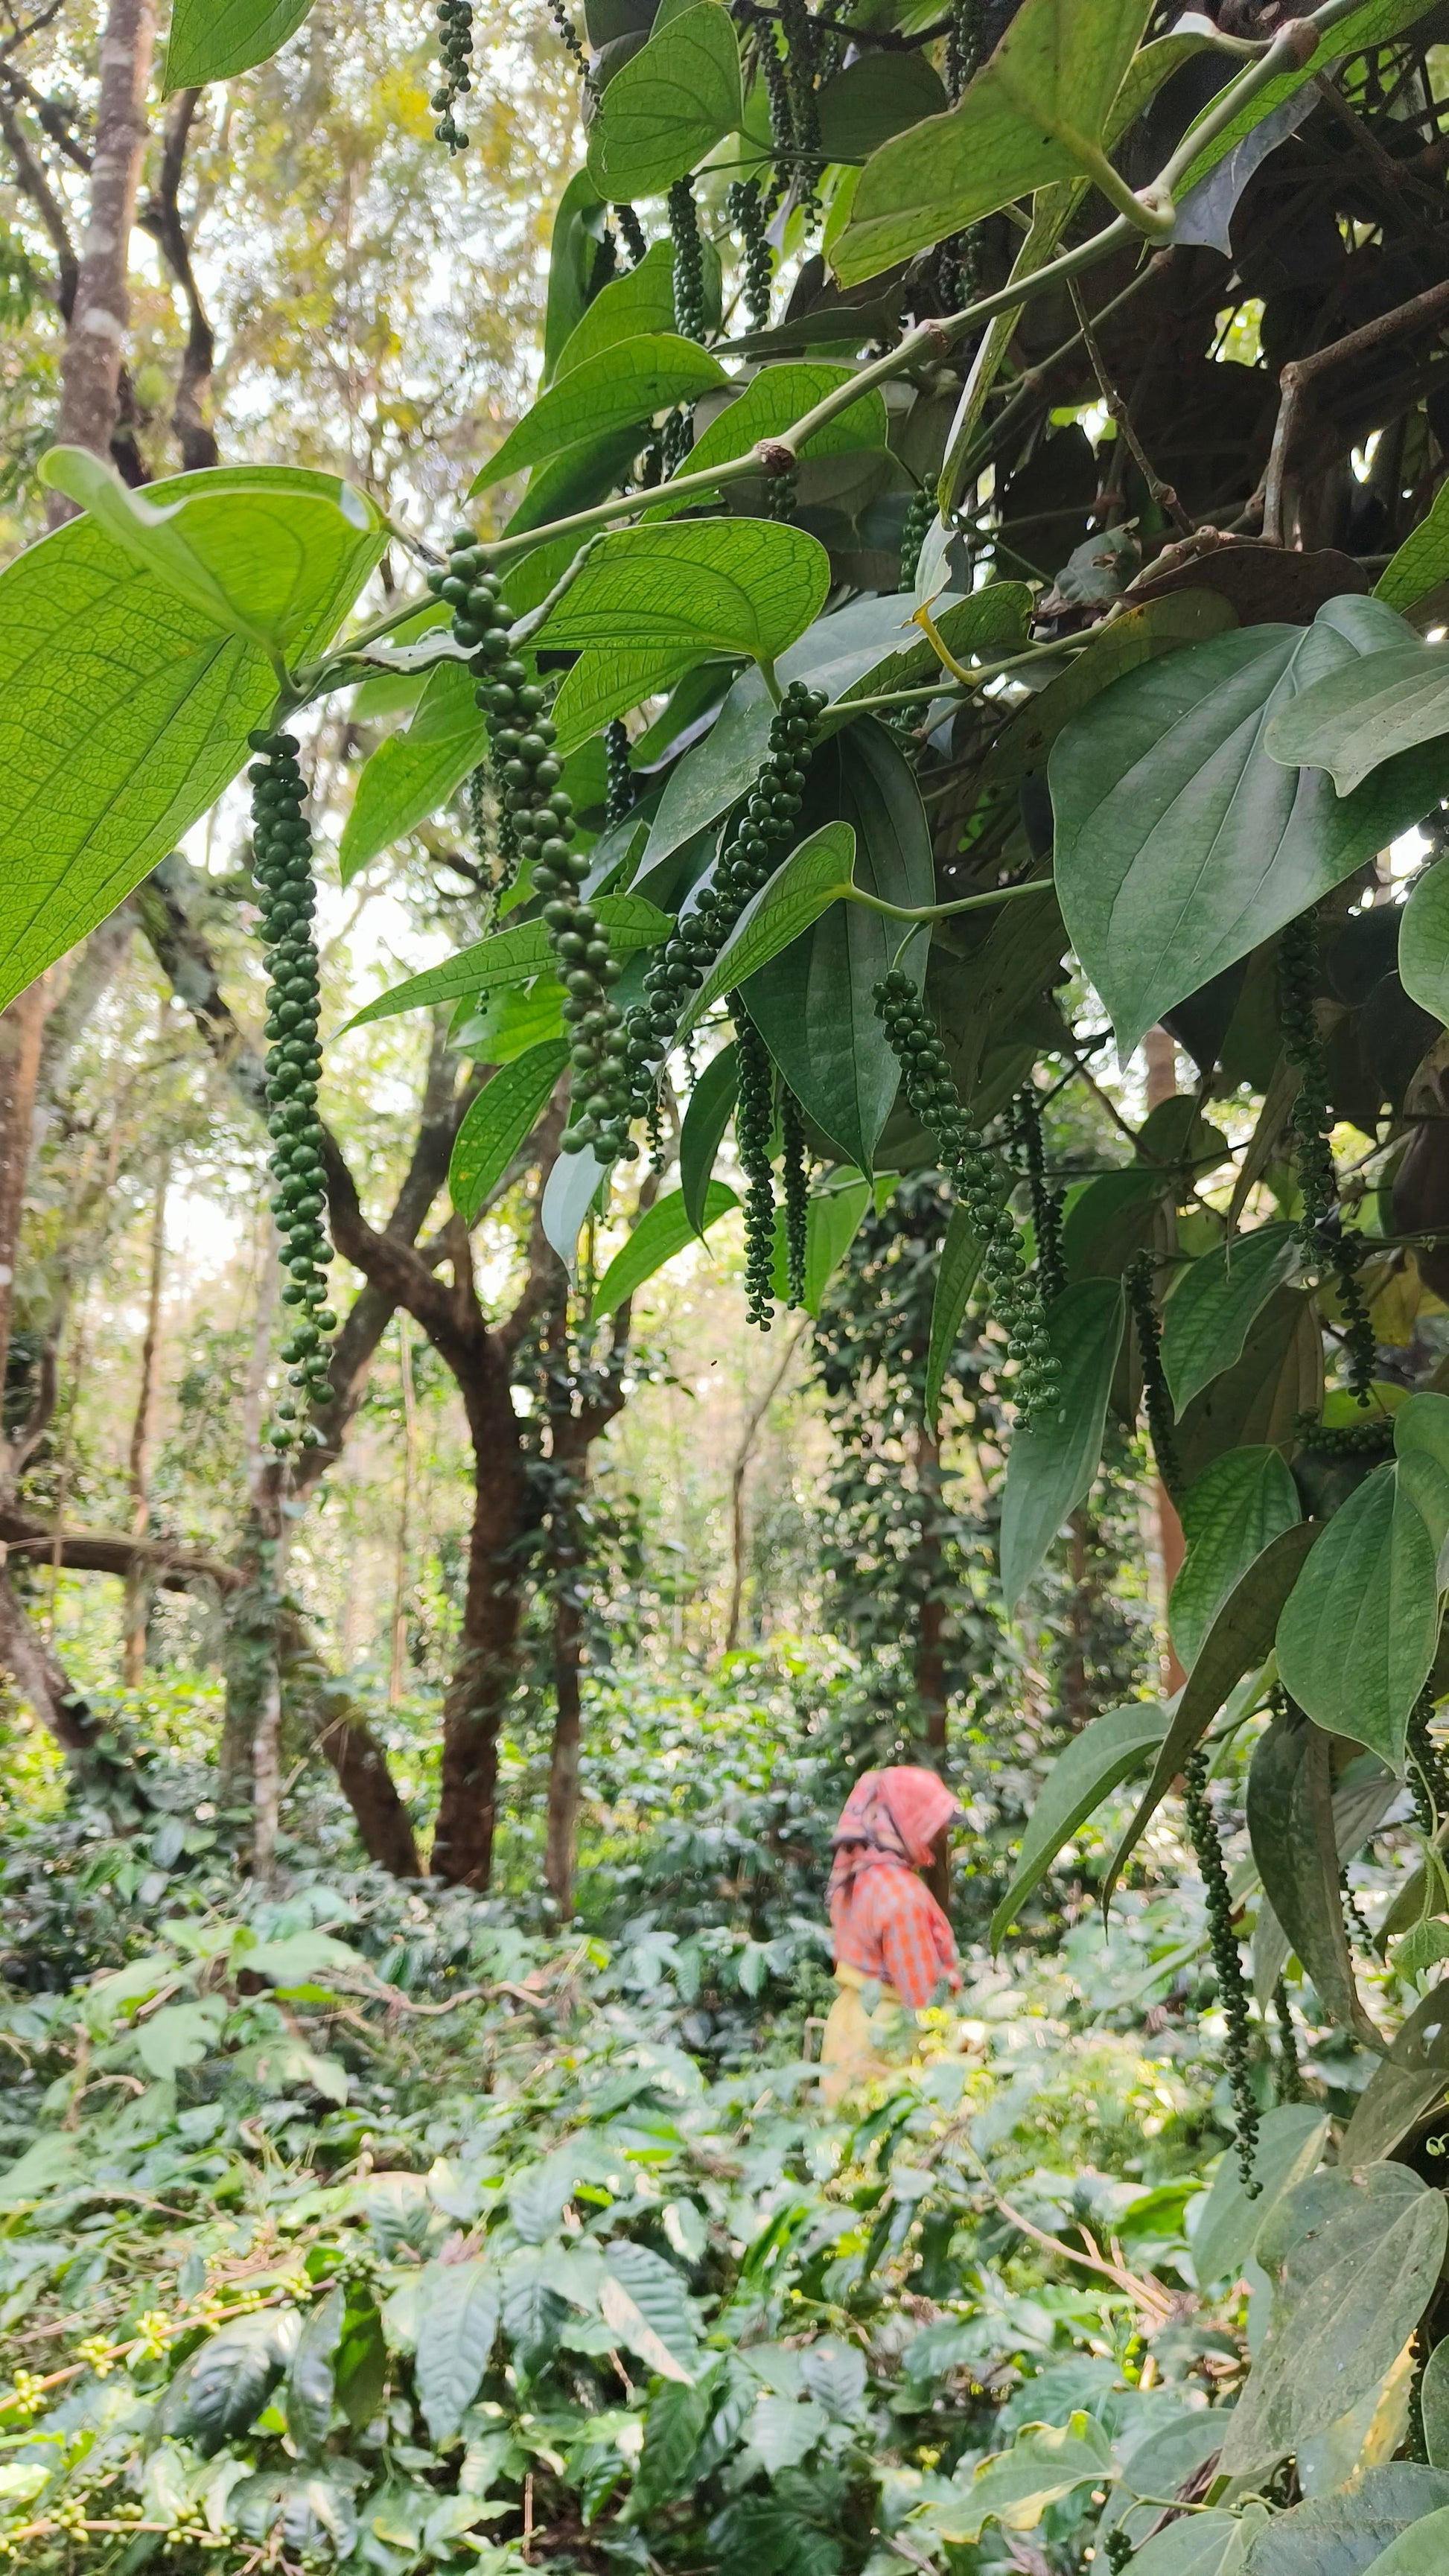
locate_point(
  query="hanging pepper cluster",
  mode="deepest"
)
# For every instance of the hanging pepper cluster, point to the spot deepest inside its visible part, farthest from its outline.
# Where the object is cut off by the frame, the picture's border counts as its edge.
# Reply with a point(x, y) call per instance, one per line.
point(455, 48)
point(754, 849)
point(539, 813)
point(915, 528)
point(933, 1098)
point(1156, 1394)
point(747, 215)
point(1046, 1206)
point(282, 866)
point(754, 1123)
point(796, 1178)
point(1227, 1961)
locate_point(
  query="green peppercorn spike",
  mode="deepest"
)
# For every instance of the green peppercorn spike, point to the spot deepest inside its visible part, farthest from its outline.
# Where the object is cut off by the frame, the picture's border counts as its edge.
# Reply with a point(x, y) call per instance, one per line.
point(754, 1121)
point(1227, 1960)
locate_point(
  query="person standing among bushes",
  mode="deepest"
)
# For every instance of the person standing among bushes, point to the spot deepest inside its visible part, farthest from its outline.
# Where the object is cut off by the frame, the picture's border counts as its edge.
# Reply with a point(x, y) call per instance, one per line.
point(894, 1949)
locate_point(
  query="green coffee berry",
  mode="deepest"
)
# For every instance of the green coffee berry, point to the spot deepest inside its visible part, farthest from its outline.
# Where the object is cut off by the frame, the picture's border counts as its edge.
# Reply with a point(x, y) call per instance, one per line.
point(1232, 1991)
point(754, 1121)
point(932, 1096)
point(1158, 1399)
point(455, 48)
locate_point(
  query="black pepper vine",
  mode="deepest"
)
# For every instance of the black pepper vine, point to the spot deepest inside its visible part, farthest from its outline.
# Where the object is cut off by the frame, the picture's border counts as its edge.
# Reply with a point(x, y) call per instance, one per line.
point(933, 1098)
point(539, 816)
point(619, 778)
point(282, 866)
point(1333, 1247)
point(797, 1196)
point(752, 852)
point(1288, 2079)
point(1232, 1990)
point(455, 49)
point(916, 527)
point(754, 1122)
point(747, 216)
point(1160, 1417)
point(1046, 1207)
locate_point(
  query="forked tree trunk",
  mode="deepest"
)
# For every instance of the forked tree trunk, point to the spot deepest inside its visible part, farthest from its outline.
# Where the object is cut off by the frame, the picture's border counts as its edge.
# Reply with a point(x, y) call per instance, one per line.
point(483, 1674)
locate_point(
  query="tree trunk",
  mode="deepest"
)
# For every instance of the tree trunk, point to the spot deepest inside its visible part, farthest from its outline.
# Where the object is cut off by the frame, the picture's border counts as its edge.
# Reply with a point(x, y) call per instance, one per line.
point(91, 367)
point(341, 1733)
point(21, 1027)
point(38, 1676)
point(404, 1534)
point(482, 1680)
point(563, 1769)
point(139, 1588)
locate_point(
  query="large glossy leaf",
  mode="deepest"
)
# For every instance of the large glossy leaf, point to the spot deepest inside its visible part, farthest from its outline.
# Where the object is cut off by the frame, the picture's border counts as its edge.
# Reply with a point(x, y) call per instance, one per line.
point(1094, 1764)
point(1215, 1303)
point(1352, 2264)
point(573, 249)
point(669, 106)
point(1290, 2145)
point(1045, 2463)
point(1037, 112)
point(1422, 561)
point(711, 1107)
point(1279, 1376)
point(501, 1119)
point(1197, 2544)
point(956, 1274)
point(414, 772)
point(124, 712)
point(215, 39)
point(1123, 645)
point(1422, 2550)
point(1292, 1829)
point(631, 307)
point(1406, 2084)
point(1424, 943)
point(832, 1221)
point(1357, 1638)
point(311, 2378)
point(622, 386)
point(1342, 2534)
point(661, 1232)
point(252, 555)
point(1180, 843)
point(221, 2388)
point(650, 601)
point(645, 2301)
point(1233, 1511)
point(861, 650)
point(1352, 721)
point(873, 98)
point(808, 881)
point(1240, 1638)
point(1050, 1464)
point(773, 401)
point(514, 957)
point(457, 2322)
point(813, 1005)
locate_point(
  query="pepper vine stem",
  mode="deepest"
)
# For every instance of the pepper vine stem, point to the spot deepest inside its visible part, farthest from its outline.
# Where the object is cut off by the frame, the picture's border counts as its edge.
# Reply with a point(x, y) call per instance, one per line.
point(1293, 47)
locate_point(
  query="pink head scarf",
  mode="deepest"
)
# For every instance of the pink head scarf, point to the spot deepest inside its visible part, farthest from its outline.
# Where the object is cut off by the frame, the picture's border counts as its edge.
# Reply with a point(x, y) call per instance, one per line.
point(892, 1815)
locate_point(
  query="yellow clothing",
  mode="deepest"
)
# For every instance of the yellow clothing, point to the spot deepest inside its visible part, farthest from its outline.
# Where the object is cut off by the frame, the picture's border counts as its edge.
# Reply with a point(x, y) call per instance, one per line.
point(868, 2033)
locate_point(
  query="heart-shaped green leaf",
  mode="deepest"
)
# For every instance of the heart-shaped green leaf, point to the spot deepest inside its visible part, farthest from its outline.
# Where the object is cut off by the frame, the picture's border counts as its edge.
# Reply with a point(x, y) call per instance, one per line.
point(669, 106)
point(1094, 1764)
point(1352, 721)
point(1051, 1463)
point(1235, 1509)
point(1215, 1303)
point(661, 1232)
point(1037, 112)
point(615, 390)
point(711, 1106)
point(649, 601)
point(213, 40)
point(638, 305)
point(501, 1119)
point(514, 957)
point(814, 876)
point(1181, 844)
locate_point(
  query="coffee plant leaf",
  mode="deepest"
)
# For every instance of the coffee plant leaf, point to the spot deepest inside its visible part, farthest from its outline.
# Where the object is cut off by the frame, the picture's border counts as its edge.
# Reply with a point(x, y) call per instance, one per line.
point(311, 2377)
